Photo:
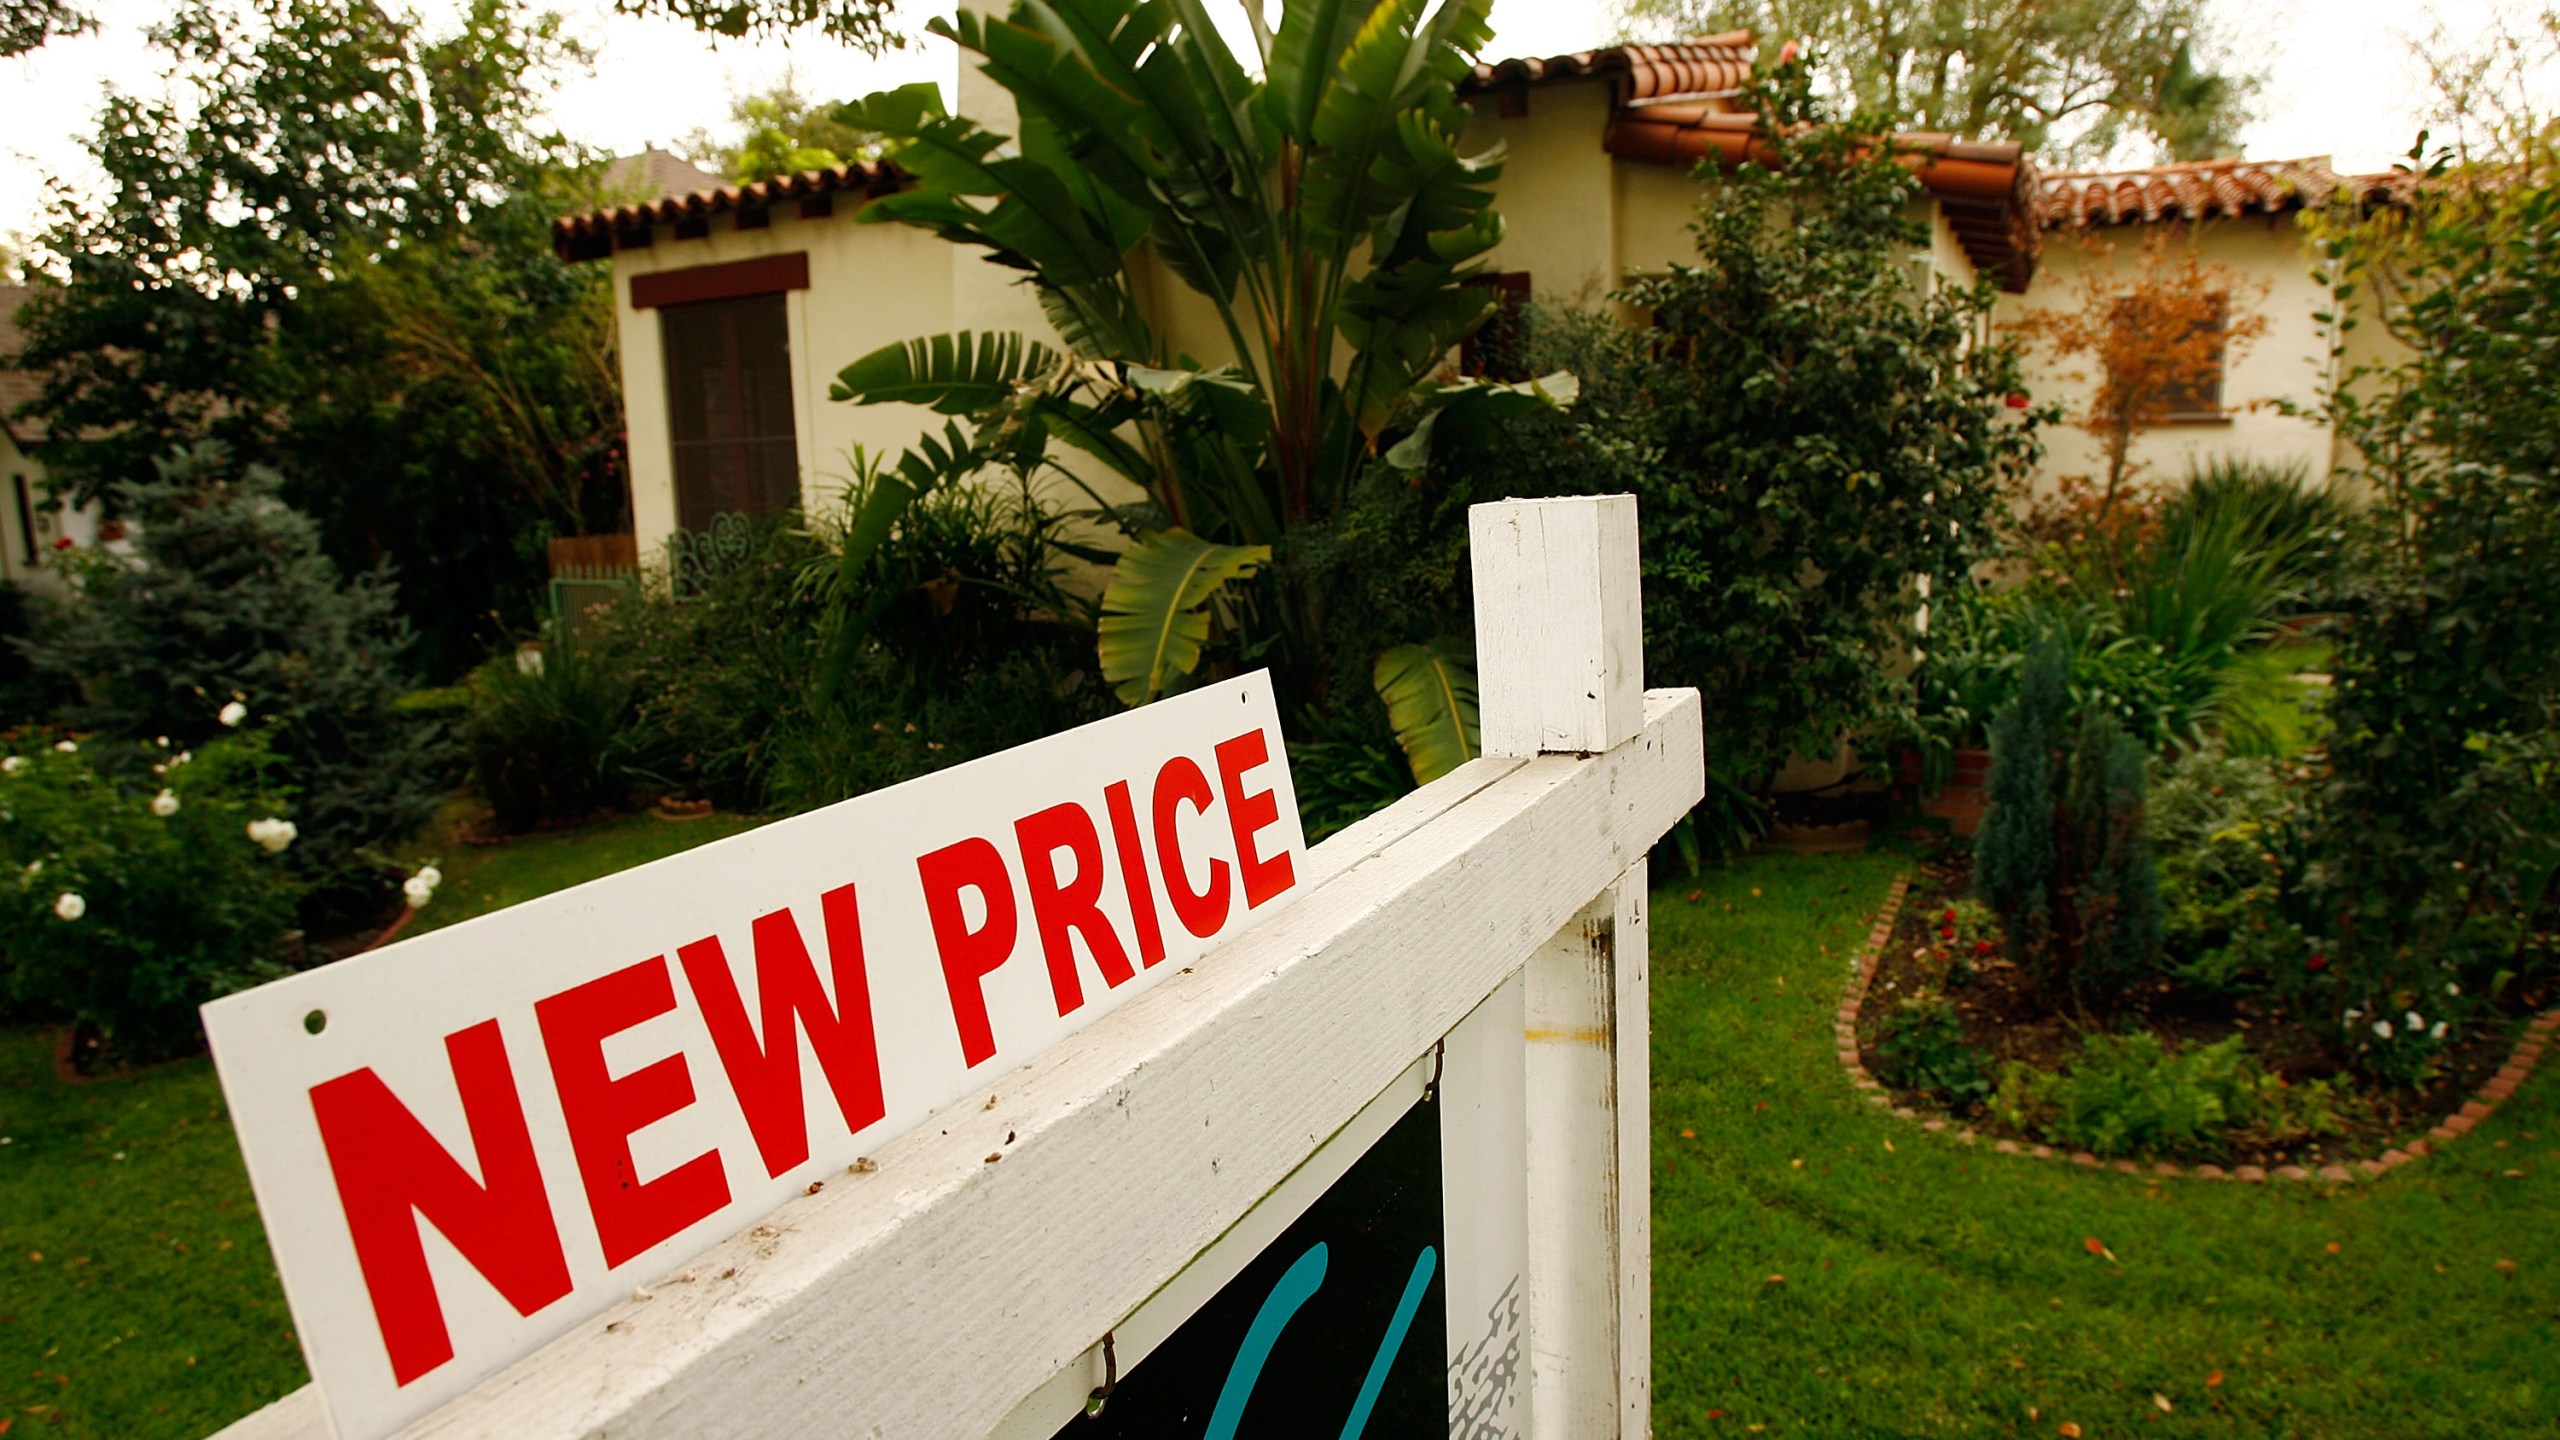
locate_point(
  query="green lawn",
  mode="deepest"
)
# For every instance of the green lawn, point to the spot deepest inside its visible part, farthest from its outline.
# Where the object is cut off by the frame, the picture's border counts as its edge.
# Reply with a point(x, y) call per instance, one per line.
point(482, 878)
point(1930, 1289)
point(2285, 712)
point(1936, 1289)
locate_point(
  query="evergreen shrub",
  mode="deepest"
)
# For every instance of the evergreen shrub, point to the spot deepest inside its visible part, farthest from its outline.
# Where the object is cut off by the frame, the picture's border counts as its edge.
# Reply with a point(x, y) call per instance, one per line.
point(2062, 856)
point(228, 597)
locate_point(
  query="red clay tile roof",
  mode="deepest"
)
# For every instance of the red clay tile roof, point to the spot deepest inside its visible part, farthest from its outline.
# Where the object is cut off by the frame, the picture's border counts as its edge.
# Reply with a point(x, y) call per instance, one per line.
point(1987, 190)
point(591, 236)
point(1709, 65)
point(2197, 190)
point(1664, 109)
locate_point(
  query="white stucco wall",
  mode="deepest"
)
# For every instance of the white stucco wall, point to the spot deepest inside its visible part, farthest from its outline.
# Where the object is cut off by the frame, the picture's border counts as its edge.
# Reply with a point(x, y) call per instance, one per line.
point(1556, 195)
point(52, 522)
point(2287, 362)
point(868, 285)
point(1577, 220)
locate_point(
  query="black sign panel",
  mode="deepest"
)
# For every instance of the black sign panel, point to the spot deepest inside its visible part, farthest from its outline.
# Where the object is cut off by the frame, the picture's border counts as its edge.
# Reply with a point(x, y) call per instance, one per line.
point(1339, 1329)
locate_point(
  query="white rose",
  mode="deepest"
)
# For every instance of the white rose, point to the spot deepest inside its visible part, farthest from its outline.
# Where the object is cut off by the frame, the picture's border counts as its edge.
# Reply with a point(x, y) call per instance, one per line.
point(70, 906)
point(164, 804)
point(232, 714)
point(13, 765)
point(433, 876)
point(181, 758)
point(2438, 1032)
point(273, 834)
point(417, 891)
point(2382, 1029)
point(2417, 1022)
point(65, 746)
point(35, 867)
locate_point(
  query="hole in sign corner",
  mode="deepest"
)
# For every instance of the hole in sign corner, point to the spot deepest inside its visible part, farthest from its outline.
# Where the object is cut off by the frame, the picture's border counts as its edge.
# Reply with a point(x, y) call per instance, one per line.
point(315, 1022)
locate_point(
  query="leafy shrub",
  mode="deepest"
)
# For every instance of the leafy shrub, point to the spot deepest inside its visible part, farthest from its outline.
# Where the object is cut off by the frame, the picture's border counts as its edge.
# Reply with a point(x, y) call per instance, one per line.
point(2307, 534)
point(971, 646)
point(2133, 1095)
point(2227, 834)
point(1804, 433)
point(2439, 823)
point(229, 596)
point(124, 906)
point(549, 729)
point(1921, 1047)
point(1975, 655)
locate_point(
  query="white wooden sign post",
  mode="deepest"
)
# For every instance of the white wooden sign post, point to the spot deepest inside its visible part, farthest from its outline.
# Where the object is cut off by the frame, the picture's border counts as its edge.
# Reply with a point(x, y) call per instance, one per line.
point(1046, 1193)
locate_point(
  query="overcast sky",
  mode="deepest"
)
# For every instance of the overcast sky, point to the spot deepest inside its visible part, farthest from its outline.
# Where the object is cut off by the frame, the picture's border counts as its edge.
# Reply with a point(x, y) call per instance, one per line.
point(2342, 77)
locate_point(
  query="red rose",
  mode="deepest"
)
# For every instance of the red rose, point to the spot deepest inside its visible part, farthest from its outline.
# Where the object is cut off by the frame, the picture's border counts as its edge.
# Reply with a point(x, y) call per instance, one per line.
point(1948, 918)
point(62, 544)
point(2316, 962)
point(1946, 932)
point(1982, 947)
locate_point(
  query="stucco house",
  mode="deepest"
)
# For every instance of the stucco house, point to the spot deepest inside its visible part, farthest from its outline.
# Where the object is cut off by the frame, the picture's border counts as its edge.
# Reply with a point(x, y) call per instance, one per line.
point(31, 524)
point(2244, 215)
point(738, 304)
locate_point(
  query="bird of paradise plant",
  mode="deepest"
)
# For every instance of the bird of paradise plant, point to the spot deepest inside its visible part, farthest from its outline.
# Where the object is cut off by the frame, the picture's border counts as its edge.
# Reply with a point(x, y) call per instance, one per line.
point(1321, 207)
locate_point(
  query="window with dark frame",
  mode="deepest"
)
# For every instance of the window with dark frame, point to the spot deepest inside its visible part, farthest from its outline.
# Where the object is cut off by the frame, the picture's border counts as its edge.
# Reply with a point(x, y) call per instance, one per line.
point(26, 519)
point(2198, 394)
point(729, 410)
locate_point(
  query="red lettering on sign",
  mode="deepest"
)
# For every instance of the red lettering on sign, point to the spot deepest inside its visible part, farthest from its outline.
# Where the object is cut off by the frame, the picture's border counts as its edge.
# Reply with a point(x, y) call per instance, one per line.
point(1202, 912)
point(1061, 909)
point(387, 1166)
point(969, 956)
point(765, 1072)
point(602, 1113)
point(1133, 872)
point(1248, 815)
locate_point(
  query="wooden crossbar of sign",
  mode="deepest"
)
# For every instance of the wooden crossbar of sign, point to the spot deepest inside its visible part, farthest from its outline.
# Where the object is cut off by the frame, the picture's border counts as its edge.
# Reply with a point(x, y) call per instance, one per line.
point(1464, 971)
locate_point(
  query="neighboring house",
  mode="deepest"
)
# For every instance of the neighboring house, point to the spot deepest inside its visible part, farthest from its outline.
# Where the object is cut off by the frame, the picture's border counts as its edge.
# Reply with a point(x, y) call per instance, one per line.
point(738, 304)
point(1601, 148)
point(31, 525)
point(2245, 215)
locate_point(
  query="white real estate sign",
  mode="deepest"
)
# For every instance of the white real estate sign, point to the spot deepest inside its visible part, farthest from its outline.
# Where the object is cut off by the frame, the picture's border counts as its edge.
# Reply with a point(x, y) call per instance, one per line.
point(465, 1143)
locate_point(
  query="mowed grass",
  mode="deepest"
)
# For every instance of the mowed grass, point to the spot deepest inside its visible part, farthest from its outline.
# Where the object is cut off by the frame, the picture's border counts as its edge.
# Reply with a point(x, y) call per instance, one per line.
point(482, 878)
point(137, 1296)
point(1933, 1289)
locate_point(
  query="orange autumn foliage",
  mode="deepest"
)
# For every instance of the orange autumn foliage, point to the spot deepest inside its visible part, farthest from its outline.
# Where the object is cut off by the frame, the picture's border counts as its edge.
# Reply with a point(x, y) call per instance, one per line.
point(2158, 335)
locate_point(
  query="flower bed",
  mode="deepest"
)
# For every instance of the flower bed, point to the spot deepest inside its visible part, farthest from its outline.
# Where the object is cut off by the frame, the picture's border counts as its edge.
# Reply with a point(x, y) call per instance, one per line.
point(1927, 927)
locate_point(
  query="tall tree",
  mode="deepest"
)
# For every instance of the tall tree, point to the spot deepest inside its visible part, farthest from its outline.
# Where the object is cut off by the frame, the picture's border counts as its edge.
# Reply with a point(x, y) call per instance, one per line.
point(860, 23)
point(327, 247)
point(2070, 79)
point(782, 131)
point(26, 25)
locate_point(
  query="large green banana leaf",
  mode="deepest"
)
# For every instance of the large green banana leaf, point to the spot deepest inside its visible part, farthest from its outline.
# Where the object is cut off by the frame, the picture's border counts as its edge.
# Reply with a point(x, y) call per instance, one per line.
point(1430, 692)
point(1155, 611)
point(960, 374)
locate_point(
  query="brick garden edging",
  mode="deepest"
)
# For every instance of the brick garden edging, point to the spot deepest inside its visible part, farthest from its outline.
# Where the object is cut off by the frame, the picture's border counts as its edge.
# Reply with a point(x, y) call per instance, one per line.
point(2520, 1062)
